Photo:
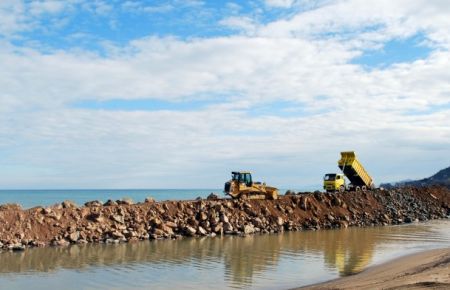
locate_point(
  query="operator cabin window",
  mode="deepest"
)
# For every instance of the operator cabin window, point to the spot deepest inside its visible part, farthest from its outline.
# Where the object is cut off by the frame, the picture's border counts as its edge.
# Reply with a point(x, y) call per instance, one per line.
point(247, 179)
point(330, 177)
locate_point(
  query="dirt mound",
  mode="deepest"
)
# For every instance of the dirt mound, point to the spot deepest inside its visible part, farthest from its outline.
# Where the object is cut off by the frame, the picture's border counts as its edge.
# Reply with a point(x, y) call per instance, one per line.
point(123, 221)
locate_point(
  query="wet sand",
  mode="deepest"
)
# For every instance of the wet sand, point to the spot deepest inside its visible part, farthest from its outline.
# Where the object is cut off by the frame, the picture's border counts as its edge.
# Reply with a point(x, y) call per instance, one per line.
point(429, 270)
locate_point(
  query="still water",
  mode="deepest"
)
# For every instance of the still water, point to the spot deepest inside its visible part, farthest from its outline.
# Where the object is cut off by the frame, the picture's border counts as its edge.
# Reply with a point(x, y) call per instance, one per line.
point(259, 262)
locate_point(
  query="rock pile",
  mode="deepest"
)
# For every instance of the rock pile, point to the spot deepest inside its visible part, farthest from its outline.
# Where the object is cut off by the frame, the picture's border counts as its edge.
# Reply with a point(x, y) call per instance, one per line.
point(123, 221)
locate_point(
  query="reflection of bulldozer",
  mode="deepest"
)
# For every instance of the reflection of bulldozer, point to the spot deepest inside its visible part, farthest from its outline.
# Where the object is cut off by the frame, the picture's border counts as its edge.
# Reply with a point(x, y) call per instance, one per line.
point(241, 185)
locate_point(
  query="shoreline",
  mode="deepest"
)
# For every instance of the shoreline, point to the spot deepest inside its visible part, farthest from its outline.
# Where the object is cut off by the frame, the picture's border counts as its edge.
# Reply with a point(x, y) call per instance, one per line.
point(426, 269)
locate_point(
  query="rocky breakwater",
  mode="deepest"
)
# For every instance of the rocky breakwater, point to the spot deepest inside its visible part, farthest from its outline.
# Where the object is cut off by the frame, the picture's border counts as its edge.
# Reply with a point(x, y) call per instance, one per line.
point(124, 221)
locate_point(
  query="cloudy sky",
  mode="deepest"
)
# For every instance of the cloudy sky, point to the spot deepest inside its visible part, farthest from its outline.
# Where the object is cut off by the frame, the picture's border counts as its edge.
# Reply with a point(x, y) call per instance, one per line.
point(173, 94)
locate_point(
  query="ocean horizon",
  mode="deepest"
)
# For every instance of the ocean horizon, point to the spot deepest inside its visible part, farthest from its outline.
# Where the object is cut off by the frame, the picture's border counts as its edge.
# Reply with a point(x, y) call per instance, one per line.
point(28, 198)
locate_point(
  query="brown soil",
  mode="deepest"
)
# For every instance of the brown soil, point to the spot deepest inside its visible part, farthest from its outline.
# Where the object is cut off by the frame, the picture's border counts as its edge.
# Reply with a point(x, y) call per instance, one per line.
point(123, 221)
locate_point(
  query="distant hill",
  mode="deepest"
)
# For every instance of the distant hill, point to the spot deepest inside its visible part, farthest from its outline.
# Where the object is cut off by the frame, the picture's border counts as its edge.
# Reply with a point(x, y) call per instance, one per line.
point(440, 178)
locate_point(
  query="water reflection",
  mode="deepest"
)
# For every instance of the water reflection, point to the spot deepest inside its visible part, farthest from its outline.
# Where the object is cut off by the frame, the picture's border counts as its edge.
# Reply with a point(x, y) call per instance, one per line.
point(239, 259)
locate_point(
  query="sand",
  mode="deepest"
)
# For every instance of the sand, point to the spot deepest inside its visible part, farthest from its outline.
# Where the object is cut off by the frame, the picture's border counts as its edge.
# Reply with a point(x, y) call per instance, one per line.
point(425, 270)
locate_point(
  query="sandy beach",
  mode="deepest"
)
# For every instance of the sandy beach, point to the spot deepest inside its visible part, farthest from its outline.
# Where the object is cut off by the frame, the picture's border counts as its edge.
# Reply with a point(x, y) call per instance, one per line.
point(429, 269)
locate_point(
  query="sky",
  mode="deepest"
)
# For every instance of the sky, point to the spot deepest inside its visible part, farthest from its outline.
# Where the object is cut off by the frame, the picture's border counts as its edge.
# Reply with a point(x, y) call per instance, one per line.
point(177, 94)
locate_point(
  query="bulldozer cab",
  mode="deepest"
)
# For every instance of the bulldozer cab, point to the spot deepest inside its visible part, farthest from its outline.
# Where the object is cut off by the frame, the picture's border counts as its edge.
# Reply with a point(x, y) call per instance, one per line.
point(242, 177)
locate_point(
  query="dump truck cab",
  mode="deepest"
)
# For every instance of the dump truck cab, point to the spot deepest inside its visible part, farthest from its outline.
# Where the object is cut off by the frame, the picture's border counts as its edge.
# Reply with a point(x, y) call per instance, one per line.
point(242, 185)
point(334, 182)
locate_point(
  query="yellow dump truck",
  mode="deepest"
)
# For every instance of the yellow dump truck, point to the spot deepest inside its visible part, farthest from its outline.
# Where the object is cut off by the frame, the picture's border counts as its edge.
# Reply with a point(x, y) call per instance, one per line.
point(241, 185)
point(353, 170)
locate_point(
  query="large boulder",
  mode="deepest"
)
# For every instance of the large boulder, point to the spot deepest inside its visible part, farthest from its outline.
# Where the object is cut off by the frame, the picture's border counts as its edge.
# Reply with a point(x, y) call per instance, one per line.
point(202, 231)
point(190, 230)
point(110, 202)
point(248, 229)
point(68, 204)
point(149, 199)
point(93, 203)
point(73, 237)
point(117, 218)
point(212, 196)
point(126, 201)
point(227, 227)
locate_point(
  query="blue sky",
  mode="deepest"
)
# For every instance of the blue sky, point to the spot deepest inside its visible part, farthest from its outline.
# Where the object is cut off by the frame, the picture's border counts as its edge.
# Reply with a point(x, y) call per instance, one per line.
point(162, 94)
point(123, 21)
point(396, 51)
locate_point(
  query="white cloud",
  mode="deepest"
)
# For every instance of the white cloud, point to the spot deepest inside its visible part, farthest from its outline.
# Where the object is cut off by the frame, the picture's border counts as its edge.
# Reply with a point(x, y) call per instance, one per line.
point(42, 7)
point(396, 113)
point(98, 7)
point(12, 18)
point(280, 3)
point(233, 7)
point(136, 6)
point(18, 16)
point(168, 6)
point(380, 21)
point(158, 9)
point(240, 23)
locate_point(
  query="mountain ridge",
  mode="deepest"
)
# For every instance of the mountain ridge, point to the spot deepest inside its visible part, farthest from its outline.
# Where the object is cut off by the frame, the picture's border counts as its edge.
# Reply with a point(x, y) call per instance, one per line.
point(442, 177)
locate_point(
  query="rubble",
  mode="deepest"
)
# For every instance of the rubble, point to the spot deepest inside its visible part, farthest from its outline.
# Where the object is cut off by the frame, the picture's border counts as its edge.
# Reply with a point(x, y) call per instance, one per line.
point(126, 221)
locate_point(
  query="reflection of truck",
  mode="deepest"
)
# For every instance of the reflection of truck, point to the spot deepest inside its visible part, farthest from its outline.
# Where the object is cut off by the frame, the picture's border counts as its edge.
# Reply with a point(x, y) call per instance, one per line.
point(241, 185)
point(353, 170)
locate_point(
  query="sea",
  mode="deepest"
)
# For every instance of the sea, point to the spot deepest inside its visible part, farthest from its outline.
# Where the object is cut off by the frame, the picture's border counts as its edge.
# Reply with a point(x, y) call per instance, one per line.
point(29, 198)
point(46, 197)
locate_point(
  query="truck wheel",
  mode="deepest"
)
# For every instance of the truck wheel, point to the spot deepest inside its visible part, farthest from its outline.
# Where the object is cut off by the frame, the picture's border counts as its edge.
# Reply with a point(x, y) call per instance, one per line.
point(357, 189)
point(364, 188)
point(341, 188)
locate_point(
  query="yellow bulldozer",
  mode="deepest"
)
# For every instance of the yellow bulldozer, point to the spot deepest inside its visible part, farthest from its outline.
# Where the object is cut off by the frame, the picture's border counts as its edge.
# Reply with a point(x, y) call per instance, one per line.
point(241, 185)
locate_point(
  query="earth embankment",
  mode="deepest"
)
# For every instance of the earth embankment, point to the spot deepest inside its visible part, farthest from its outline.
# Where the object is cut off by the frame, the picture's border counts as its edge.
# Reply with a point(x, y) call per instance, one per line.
point(125, 221)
